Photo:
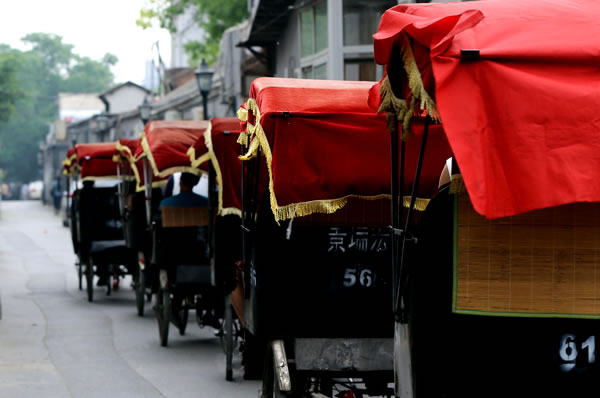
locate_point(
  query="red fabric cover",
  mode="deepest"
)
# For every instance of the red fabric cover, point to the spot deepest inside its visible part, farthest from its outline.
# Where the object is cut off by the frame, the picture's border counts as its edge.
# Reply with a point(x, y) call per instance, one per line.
point(522, 121)
point(333, 145)
point(131, 143)
point(227, 152)
point(96, 160)
point(169, 141)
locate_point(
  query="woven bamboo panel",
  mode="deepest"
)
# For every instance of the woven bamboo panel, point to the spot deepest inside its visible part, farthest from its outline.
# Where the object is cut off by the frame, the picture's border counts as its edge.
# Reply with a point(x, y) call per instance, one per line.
point(541, 263)
point(184, 216)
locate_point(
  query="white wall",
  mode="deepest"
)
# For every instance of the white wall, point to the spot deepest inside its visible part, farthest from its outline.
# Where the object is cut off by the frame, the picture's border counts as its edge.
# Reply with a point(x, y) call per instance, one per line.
point(125, 99)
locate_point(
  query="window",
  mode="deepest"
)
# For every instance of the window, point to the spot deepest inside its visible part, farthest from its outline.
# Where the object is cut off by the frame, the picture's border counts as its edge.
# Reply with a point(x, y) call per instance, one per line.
point(362, 68)
point(313, 25)
point(361, 20)
point(316, 72)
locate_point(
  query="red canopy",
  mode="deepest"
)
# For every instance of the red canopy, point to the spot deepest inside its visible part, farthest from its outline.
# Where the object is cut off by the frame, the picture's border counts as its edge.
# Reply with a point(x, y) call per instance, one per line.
point(219, 145)
point(520, 114)
point(165, 144)
point(96, 160)
point(323, 145)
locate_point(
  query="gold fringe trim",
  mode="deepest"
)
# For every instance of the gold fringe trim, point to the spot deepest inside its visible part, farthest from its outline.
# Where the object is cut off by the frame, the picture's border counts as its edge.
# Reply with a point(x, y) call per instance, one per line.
point(206, 156)
point(457, 184)
point(405, 111)
point(148, 154)
point(155, 184)
point(242, 114)
point(253, 150)
point(132, 160)
point(420, 203)
point(69, 161)
point(230, 211)
point(242, 139)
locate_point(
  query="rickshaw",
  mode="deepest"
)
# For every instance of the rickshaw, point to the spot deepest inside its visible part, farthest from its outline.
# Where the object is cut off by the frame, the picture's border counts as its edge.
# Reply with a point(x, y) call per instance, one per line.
point(180, 235)
point(217, 154)
point(71, 172)
point(317, 244)
point(96, 224)
point(136, 228)
point(495, 291)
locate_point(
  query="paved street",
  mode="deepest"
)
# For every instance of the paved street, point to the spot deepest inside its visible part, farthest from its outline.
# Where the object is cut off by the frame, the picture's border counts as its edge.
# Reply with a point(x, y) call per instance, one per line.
point(53, 343)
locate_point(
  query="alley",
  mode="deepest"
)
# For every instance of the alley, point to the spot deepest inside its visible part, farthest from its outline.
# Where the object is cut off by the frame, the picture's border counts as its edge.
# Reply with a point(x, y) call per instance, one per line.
point(53, 343)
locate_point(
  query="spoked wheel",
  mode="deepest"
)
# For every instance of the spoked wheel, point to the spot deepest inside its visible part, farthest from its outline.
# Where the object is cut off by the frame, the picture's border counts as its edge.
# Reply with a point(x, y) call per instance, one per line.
point(163, 314)
point(80, 274)
point(89, 276)
point(109, 281)
point(140, 292)
point(229, 334)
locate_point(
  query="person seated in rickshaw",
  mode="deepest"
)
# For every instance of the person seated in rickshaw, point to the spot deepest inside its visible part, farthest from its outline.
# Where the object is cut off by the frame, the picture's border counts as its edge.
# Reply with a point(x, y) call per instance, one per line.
point(187, 198)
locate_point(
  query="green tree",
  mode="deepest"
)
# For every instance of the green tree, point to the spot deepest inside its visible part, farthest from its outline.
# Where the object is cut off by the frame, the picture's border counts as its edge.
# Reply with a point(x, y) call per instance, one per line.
point(89, 76)
point(9, 85)
point(213, 16)
point(47, 68)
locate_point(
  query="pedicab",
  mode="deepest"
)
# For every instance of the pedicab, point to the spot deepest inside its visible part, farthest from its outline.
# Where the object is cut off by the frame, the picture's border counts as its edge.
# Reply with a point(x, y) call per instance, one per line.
point(71, 172)
point(181, 234)
point(97, 223)
point(497, 295)
point(317, 241)
point(136, 224)
point(217, 154)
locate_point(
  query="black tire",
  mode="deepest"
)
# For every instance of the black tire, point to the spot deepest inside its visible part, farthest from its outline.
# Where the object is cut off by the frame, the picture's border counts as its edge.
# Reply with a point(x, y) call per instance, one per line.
point(109, 282)
point(229, 340)
point(183, 318)
point(80, 273)
point(89, 276)
point(163, 315)
point(140, 292)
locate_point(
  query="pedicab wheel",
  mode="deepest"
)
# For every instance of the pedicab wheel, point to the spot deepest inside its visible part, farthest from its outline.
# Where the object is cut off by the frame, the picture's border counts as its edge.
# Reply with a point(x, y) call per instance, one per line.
point(228, 334)
point(109, 283)
point(183, 317)
point(163, 314)
point(140, 292)
point(89, 277)
point(80, 274)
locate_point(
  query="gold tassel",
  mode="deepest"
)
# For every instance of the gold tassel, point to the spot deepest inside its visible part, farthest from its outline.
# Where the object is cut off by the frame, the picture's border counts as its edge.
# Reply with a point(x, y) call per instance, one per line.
point(457, 184)
point(420, 203)
point(242, 114)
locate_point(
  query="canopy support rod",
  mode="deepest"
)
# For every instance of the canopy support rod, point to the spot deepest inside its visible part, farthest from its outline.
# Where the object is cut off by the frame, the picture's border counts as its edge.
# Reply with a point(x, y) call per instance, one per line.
point(400, 304)
point(148, 191)
point(395, 204)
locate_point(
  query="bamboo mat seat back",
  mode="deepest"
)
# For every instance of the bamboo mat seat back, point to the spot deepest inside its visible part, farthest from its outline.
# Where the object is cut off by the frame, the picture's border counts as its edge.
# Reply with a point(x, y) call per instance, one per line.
point(544, 263)
point(357, 212)
point(173, 216)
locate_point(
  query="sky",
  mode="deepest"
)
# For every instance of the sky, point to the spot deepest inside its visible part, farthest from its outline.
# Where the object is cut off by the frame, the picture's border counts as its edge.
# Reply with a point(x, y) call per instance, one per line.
point(94, 27)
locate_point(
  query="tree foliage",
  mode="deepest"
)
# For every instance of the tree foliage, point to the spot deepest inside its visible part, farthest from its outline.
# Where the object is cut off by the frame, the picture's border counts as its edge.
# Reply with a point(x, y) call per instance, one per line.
point(9, 86)
point(213, 16)
point(38, 74)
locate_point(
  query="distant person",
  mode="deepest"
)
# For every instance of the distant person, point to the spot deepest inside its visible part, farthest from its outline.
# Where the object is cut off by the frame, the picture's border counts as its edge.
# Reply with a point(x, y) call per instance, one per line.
point(56, 193)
